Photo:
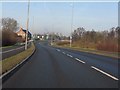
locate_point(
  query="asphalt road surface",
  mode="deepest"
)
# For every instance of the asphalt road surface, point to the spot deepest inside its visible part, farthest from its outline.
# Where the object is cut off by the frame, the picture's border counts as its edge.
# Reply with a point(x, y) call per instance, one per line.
point(10, 51)
point(51, 67)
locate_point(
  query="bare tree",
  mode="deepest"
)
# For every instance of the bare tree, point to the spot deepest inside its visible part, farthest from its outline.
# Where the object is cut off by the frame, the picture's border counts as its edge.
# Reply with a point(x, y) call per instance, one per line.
point(107, 40)
point(9, 24)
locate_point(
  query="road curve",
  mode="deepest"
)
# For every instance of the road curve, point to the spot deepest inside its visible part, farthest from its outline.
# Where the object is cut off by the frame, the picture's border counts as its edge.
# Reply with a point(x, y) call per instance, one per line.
point(51, 68)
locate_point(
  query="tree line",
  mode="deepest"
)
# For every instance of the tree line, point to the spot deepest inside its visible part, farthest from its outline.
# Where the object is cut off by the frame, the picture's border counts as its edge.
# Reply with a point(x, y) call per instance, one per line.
point(8, 32)
point(107, 40)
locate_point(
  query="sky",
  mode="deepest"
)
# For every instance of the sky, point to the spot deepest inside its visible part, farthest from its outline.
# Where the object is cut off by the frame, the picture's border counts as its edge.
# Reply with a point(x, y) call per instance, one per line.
point(57, 16)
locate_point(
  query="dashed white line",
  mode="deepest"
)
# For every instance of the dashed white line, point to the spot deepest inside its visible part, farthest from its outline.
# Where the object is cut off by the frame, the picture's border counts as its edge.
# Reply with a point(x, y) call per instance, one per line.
point(58, 50)
point(79, 60)
point(91, 66)
point(63, 52)
point(105, 73)
point(69, 55)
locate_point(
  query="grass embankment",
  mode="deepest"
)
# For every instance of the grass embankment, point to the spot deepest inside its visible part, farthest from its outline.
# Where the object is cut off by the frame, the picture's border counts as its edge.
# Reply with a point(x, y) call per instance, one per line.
point(90, 50)
point(9, 63)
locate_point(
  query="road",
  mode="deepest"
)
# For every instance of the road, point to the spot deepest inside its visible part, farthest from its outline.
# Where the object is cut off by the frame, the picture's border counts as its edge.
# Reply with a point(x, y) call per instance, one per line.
point(10, 51)
point(51, 67)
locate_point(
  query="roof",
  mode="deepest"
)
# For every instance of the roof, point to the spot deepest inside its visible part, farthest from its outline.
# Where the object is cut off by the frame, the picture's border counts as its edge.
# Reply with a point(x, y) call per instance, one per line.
point(25, 32)
point(29, 34)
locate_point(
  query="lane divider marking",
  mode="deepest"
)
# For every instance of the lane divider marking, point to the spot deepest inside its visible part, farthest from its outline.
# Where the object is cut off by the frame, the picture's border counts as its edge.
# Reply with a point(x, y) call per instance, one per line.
point(69, 55)
point(58, 50)
point(79, 60)
point(63, 52)
point(104, 73)
point(91, 66)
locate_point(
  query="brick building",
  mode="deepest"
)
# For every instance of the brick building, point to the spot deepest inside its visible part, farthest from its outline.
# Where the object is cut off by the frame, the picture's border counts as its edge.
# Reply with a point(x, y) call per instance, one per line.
point(22, 33)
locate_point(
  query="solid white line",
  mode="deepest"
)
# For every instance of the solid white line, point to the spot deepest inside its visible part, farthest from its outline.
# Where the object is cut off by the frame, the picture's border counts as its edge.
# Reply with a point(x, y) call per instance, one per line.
point(12, 50)
point(79, 60)
point(105, 73)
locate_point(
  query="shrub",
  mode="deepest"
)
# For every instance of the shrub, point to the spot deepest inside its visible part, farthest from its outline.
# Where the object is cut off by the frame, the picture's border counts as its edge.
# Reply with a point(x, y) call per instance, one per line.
point(63, 42)
point(108, 46)
point(8, 37)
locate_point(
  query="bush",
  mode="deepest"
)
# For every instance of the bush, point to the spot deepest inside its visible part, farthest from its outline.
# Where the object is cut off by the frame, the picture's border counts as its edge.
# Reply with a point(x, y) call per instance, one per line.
point(108, 46)
point(63, 43)
point(8, 37)
point(20, 39)
point(0, 38)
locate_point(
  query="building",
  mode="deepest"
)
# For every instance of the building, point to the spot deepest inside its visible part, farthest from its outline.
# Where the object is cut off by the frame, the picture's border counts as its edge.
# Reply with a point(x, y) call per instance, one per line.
point(22, 33)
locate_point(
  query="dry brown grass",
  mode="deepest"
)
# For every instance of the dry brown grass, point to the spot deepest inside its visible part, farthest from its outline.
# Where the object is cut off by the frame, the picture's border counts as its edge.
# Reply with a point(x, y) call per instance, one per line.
point(9, 63)
point(91, 50)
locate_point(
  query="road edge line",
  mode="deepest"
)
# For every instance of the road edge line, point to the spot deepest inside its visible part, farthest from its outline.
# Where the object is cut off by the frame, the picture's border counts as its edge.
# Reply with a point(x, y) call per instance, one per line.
point(5, 74)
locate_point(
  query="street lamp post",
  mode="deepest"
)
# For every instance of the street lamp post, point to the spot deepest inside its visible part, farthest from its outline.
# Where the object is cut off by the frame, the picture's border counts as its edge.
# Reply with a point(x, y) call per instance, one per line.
point(27, 26)
point(71, 24)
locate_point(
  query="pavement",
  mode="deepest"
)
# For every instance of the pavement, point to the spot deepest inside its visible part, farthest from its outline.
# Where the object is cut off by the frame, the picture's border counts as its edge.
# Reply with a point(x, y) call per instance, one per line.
point(52, 67)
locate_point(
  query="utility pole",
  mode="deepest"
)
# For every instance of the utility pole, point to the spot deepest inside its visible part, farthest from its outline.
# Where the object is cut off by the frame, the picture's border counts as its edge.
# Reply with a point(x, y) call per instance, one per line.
point(52, 35)
point(51, 39)
point(71, 24)
point(27, 25)
point(33, 25)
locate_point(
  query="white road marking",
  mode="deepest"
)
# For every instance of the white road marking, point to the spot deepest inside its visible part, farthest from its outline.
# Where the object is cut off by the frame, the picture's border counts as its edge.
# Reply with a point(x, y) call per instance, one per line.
point(79, 60)
point(105, 73)
point(92, 66)
point(69, 55)
point(12, 49)
point(58, 50)
point(1, 76)
point(63, 52)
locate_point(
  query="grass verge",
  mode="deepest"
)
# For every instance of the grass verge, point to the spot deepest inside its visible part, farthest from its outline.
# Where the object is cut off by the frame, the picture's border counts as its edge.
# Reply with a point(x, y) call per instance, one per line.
point(93, 51)
point(6, 47)
point(9, 63)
